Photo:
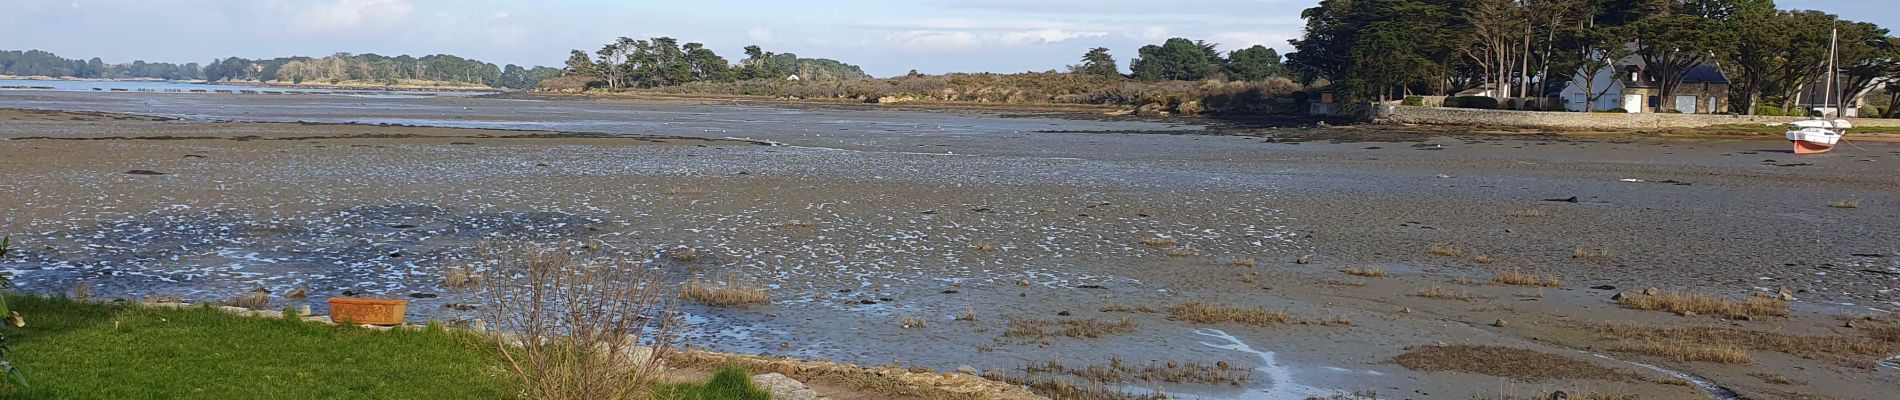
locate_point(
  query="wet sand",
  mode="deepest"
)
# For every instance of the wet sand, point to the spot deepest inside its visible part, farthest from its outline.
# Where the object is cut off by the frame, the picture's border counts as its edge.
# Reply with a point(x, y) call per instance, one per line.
point(891, 207)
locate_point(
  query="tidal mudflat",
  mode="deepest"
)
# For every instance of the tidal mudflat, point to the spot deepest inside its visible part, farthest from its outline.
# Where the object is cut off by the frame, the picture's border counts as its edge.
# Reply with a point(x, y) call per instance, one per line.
point(1194, 259)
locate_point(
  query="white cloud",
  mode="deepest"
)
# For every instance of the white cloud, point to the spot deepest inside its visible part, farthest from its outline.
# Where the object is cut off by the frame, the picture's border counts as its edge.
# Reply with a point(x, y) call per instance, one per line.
point(1152, 33)
point(346, 14)
point(500, 15)
point(1241, 40)
point(954, 40)
point(760, 35)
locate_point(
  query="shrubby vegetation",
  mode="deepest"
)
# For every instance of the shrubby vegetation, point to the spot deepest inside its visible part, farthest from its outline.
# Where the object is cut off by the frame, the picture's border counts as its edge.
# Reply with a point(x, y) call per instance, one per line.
point(1377, 50)
point(1180, 76)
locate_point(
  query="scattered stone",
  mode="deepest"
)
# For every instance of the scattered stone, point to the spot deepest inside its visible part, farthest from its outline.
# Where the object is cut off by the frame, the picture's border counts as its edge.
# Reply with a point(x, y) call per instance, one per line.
point(1406, 310)
point(1064, 313)
point(144, 172)
point(194, 156)
point(1022, 282)
point(967, 369)
point(1572, 199)
point(948, 292)
point(867, 301)
point(1500, 323)
point(422, 295)
point(1092, 287)
point(458, 307)
point(1603, 287)
point(1652, 291)
point(1304, 260)
point(403, 226)
point(783, 387)
point(1785, 295)
point(1618, 297)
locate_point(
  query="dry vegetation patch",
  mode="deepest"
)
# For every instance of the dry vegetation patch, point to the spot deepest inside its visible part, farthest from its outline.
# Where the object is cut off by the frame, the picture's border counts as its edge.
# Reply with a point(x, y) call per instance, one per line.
point(1508, 362)
point(1681, 350)
point(1118, 371)
point(1775, 378)
point(1850, 203)
point(1693, 303)
point(1074, 328)
point(1838, 347)
point(1368, 272)
point(731, 294)
point(1522, 279)
point(1115, 307)
point(1527, 213)
point(1243, 262)
point(1590, 255)
point(1158, 242)
point(1209, 313)
point(1182, 253)
point(1446, 250)
point(1444, 294)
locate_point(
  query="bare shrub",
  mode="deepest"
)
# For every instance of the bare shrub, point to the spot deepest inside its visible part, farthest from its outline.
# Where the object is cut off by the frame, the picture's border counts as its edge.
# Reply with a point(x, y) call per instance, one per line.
point(573, 329)
point(1446, 250)
point(1158, 242)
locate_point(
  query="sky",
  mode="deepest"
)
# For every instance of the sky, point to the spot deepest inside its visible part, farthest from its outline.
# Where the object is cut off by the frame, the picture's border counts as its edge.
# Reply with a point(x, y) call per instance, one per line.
point(886, 37)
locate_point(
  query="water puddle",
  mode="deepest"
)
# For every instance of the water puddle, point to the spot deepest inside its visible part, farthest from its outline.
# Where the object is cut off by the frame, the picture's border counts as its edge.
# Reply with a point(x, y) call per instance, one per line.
point(1279, 380)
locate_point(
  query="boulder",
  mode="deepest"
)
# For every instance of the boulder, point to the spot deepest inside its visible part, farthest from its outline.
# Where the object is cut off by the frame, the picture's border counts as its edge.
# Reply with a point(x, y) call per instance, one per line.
point(784, 387)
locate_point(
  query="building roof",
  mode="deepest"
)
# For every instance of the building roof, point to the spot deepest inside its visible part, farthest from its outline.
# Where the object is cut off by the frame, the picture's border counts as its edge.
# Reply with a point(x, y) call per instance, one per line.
point(1707, 72)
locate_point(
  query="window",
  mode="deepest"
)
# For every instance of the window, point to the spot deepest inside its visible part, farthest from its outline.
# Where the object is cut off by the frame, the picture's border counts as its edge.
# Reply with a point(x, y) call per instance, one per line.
point(1655, 101)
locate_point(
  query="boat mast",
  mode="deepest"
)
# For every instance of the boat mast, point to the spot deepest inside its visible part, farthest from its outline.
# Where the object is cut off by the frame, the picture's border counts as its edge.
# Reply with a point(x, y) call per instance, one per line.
point(1833, 51)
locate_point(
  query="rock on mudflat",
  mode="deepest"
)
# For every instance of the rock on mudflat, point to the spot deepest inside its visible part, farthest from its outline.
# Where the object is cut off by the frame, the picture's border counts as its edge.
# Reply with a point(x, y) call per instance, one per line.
point(784, 388)
point(144, 172)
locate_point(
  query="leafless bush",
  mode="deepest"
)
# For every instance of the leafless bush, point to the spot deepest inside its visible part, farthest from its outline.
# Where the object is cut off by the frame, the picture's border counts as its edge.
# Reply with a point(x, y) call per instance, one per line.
point(573, 329)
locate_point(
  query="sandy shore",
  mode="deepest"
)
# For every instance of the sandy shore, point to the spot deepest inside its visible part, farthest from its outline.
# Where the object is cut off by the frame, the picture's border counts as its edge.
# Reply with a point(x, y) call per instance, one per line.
point(861, 219)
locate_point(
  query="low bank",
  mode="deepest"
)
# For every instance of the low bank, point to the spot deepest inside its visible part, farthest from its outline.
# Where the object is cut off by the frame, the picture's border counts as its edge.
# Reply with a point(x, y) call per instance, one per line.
point(1415, 115)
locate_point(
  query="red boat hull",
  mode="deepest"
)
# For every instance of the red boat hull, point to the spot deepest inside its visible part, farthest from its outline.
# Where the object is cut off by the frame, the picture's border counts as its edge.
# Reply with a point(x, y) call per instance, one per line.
point(1806, 147)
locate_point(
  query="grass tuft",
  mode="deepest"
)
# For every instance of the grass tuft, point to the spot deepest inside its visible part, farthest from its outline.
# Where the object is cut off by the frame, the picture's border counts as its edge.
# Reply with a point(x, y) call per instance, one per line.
point(1444, 294)
point(1209, 313)
point(1681, 350)
point(1595, 255)
point(1074, 328)
point(1446, 250)
point(1694, 303)
point(1509, 362)
point(1365, 272)
point(1244, 262)
point(1158, 242)
point(1515, 278)
point(732, 294)
point(1850, 203)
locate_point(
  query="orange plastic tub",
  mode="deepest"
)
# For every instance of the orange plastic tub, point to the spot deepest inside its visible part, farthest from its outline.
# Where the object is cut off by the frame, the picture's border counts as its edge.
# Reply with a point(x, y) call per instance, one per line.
point(348, 310)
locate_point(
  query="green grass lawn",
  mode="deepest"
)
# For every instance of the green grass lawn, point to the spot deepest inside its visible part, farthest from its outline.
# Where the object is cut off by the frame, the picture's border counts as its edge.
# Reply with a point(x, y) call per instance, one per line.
point(72, 350)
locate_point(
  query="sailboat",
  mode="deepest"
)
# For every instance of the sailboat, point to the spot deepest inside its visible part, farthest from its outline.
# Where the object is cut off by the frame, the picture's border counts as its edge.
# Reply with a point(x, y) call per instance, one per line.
point(1818, 135)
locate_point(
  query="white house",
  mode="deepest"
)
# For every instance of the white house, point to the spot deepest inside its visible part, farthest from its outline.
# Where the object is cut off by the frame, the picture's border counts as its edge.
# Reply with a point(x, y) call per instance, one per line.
point(1628, 86)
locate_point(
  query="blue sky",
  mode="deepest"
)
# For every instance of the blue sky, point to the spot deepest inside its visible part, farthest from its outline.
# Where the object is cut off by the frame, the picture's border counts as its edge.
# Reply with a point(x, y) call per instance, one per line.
point(887, 37)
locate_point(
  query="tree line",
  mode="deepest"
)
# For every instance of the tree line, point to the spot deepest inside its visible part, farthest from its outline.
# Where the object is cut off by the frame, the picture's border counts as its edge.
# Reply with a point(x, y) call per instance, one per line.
point(1378, 49)
point(1181, 59)
point(663, 61)
point(42, 63)
point(335, 68)
point(375, 68)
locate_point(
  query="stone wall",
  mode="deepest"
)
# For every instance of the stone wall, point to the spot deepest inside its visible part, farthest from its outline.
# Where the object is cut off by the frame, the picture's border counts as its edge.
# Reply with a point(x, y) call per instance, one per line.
point(1574, 120)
